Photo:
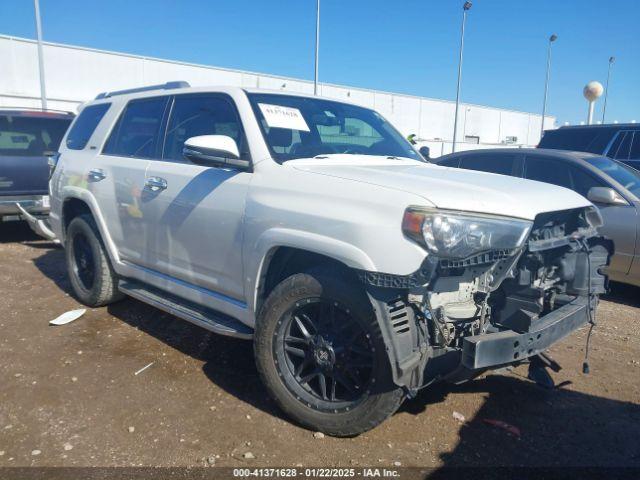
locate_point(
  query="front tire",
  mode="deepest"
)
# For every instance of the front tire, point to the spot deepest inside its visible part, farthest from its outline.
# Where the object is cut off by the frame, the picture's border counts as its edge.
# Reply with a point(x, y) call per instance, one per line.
point(321, 355)
point(92, 277)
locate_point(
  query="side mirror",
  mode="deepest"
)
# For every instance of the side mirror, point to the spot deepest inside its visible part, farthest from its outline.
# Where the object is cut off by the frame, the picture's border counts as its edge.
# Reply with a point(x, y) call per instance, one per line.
point(214, 150)
point(425, 152)
point(605, 196)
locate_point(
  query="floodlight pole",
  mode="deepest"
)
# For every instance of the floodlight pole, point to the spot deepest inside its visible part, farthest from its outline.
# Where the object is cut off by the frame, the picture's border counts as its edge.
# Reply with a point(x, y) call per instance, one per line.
point(552, 39)
point(606, 89)
point(465, 9)
point(43, 91)
point(315, 77)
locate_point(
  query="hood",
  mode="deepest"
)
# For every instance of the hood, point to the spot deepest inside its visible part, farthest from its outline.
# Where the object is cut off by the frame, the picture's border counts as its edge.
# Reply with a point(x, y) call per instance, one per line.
point(449, 188)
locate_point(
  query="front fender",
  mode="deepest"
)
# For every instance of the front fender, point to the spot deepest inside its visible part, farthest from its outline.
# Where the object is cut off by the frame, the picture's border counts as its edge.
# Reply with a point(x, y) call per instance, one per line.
point(260, 251)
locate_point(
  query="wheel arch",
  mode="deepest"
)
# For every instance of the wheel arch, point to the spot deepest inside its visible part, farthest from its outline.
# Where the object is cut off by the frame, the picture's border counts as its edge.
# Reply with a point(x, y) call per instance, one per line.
point(280, 253)
point(77, 202)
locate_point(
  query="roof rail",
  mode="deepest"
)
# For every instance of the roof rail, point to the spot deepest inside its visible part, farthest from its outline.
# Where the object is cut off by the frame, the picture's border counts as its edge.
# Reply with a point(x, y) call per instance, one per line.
point(163, 86)
point(34, 109)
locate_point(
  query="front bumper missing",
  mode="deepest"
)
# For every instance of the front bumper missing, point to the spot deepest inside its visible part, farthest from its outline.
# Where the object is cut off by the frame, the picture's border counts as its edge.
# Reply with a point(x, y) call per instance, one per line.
point(501, 348)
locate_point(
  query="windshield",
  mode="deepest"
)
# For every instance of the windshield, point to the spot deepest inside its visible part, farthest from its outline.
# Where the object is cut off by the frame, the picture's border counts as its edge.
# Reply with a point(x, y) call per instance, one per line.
point(301, 127)
point(626, 176)
point(30, 136)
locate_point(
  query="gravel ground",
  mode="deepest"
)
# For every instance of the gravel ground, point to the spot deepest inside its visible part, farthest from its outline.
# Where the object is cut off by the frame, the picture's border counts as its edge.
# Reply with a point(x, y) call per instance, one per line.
point(69, 395)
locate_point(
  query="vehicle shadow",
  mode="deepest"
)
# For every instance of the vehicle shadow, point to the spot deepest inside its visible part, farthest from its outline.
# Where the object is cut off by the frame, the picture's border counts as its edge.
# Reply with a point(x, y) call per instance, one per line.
point(623, 294)
point(558, 428)
point(11, 232)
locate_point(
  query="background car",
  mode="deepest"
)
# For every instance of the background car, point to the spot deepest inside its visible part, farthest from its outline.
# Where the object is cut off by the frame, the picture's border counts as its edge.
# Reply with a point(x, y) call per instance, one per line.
point(618, 141)
point(611, 185)
point(27, 138)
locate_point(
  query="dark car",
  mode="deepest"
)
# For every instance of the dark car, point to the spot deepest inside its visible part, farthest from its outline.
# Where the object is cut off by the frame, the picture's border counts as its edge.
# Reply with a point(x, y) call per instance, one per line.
point(611, 185)
point(618, 141)
point(27, 138)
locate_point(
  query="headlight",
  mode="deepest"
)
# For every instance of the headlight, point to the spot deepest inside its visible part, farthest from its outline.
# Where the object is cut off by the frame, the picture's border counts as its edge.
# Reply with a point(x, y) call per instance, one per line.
point(460, 235)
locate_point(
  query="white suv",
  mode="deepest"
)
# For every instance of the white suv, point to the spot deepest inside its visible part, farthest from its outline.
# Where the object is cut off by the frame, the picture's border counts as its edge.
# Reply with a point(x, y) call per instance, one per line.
point(361, 272)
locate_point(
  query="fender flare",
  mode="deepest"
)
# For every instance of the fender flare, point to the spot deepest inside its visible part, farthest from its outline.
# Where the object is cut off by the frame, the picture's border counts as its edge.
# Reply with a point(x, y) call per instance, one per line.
point(70, 192)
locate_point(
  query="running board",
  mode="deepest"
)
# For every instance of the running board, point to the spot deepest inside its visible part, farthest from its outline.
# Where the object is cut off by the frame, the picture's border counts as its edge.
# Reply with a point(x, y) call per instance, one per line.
point(203, 317)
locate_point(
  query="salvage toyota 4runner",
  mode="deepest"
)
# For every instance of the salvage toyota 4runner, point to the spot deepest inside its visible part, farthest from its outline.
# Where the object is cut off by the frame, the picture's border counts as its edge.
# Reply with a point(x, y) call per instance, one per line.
point(311, 226)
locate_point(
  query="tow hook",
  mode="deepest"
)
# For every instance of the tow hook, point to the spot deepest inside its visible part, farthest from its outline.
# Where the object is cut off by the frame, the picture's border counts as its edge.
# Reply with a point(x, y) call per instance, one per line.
point(538, 373)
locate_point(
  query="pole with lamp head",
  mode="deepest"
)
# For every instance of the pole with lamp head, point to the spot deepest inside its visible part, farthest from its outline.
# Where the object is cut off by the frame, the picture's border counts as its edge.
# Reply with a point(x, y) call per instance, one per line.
point(606, 89)
point(465, 8)
point(552, 39)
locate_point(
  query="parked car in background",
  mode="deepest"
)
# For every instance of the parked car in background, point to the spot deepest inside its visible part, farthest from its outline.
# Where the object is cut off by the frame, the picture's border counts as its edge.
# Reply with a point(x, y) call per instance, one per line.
point(618, 141)
point(27, 138)
point(361, 272)
point(611, 185)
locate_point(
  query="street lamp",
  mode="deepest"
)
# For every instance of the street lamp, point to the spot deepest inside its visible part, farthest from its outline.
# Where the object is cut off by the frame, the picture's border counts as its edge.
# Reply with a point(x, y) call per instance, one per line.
point(465, 9)
point(43, 92)
point(606, 89)
point(552, 39)
point(315, 77)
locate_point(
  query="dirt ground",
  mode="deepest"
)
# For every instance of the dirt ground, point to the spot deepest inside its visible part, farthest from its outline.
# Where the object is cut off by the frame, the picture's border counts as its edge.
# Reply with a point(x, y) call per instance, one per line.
point(69, 395)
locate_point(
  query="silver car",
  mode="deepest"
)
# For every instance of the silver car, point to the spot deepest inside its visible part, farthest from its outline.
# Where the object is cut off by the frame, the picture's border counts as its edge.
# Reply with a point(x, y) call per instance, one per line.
point(611, 185)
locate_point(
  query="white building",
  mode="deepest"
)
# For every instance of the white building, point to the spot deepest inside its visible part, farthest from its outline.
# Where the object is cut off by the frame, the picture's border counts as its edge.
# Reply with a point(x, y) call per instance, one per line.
point(76, 74)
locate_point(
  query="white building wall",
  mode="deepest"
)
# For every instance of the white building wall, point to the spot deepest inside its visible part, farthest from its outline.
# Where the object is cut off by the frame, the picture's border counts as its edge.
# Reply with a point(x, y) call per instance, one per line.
point(75, 75)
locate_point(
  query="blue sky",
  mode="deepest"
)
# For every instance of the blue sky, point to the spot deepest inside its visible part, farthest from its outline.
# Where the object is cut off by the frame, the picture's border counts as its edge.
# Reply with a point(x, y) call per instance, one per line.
point(407, 46)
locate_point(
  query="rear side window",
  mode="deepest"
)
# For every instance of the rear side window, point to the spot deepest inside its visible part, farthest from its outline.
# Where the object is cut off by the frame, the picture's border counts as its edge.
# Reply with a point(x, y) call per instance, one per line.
point(85, 124)
point(548, 170)
point(31, 135)
point(194, 115)
point(492, 163)
point(635, 146)
point(137, 131)
point(622, 152)
point(593, 140)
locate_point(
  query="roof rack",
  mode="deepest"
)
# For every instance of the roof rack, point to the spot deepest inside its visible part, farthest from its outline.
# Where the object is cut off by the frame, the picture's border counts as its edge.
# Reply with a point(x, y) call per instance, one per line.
point(35, 109)
point(163, 86)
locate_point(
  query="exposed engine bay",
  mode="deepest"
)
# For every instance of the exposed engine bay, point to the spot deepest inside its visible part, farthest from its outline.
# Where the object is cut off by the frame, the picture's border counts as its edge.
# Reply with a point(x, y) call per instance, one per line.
point(501, 307)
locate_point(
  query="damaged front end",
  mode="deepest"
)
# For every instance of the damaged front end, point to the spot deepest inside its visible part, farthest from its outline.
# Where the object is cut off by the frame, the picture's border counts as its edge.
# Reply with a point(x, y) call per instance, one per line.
point(517, 293)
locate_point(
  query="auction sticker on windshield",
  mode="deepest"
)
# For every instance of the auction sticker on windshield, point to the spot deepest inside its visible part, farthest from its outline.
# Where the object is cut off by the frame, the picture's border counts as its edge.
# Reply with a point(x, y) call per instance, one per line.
point(278, 116)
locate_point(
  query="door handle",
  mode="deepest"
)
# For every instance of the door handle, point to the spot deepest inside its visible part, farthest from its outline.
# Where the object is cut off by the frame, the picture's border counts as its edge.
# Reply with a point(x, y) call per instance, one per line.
point(96, 174)
point(155, 184)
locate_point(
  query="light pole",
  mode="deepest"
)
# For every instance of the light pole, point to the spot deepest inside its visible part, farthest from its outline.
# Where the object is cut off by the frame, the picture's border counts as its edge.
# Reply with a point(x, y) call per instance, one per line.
point(465, 9)
point(606, 89)
point(552, 39)
point(43, 92)
point(315, 77)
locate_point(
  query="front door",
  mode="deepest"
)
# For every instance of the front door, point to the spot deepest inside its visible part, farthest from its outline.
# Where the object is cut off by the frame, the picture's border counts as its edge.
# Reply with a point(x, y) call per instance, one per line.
point(196, 212)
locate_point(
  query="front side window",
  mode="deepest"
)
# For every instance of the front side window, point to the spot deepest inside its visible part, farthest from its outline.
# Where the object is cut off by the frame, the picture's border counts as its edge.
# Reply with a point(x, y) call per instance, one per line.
point(303, 127)
point(194, 115)
point(635, 146)
point(626, 176)
point(548, 170)
point(501, 164)
point(137, 131)
point(85, 125)
point(31, 135)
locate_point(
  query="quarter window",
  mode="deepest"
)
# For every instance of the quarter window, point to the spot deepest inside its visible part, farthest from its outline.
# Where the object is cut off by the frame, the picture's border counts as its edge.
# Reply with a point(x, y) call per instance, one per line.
point(137, 131)
point(85, 125)
point(194, 115)
point(501, 164)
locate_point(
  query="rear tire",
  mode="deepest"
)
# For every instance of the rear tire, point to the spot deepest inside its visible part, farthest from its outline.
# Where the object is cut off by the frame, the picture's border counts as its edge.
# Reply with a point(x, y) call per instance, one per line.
point(92, 277)
point(316, 372)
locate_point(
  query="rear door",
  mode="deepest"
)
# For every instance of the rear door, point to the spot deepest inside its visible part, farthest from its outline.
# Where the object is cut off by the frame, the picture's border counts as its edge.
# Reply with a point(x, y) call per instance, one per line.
point(26, 139)
point(117, 176)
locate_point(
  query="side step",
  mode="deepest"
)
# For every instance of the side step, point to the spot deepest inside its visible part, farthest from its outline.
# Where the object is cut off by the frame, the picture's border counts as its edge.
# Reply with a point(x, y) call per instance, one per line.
point(208, 319)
